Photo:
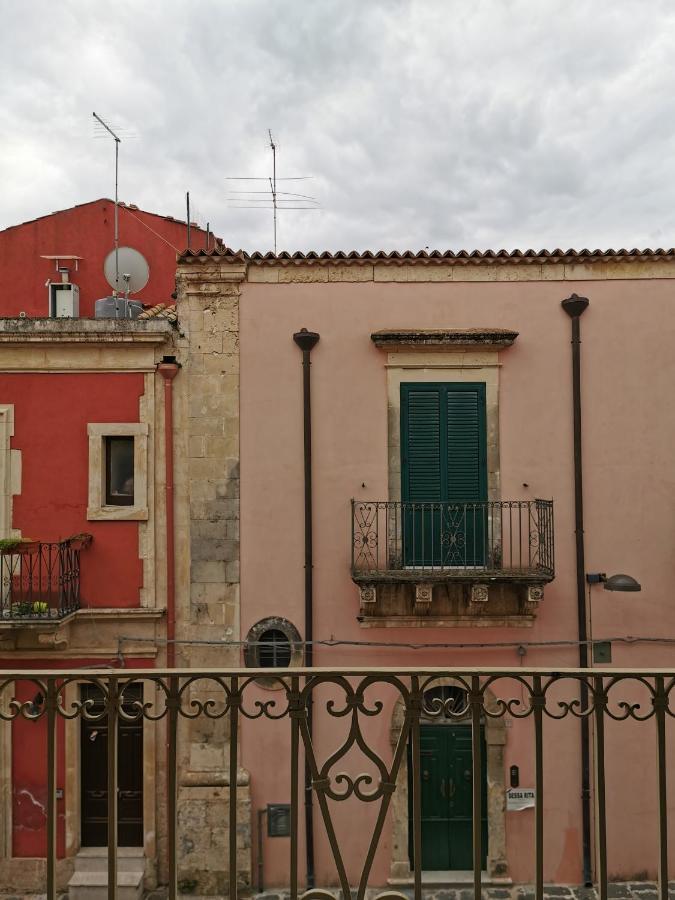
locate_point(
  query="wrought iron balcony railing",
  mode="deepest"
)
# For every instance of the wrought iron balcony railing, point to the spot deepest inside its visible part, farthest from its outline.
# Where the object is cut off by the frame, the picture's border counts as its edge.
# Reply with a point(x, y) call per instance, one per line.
point(40, 580)
point(507, 538)
point(353, 768)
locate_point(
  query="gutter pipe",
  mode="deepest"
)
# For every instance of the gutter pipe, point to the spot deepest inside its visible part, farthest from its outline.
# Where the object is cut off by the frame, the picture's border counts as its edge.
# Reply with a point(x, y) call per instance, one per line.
point(168, 369)
point(574, 306)
point(306, 341)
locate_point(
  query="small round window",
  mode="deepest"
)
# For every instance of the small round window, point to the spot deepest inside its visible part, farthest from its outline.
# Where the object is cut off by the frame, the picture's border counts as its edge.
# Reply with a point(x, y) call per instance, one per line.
point(273, 643)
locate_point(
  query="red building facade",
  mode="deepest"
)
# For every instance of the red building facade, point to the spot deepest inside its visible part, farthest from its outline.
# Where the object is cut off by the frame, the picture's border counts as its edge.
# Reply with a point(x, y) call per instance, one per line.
point(83, 572)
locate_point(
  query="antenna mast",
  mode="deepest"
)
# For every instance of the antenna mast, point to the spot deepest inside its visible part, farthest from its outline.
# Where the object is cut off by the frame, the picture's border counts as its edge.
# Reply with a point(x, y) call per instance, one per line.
point(273, 199)
point(117, 231)
point(273, 185)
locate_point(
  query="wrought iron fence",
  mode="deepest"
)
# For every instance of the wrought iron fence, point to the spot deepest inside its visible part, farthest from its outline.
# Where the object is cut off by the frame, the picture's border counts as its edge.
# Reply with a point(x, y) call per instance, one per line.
point(505, 537)
point(40, 580)
point(356, 697)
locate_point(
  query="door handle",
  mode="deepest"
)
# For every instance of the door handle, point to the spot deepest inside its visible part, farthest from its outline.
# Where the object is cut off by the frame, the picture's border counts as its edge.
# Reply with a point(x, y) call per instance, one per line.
point(97, 795)
point(443, 788)
point(451, 788)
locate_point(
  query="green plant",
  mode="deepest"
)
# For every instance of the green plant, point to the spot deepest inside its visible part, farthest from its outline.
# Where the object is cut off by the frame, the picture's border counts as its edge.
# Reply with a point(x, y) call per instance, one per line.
point(21, 609)
point(9, 544)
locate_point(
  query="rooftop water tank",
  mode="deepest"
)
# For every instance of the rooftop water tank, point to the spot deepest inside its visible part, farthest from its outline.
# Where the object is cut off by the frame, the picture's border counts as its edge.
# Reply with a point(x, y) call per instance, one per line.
point(117, 308)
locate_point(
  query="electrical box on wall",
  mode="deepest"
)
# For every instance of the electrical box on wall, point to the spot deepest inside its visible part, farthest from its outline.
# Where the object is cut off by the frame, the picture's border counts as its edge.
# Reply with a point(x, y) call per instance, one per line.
point(278, 819)
point(64, 300)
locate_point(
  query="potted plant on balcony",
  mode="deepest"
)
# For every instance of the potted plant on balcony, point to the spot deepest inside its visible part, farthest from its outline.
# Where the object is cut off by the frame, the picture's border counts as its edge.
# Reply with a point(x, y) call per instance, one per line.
point(79, 541)
point(11, 546)
point(21, 609)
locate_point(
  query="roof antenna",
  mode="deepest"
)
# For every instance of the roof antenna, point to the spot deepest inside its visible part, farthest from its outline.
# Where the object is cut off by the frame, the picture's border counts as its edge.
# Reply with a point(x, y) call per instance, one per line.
point(117, 140)
point(273, 185)
point(274, 199)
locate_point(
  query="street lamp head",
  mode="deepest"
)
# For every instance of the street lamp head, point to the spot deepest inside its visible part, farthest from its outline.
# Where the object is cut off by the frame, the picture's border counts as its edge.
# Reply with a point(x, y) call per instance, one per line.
point(621, 583)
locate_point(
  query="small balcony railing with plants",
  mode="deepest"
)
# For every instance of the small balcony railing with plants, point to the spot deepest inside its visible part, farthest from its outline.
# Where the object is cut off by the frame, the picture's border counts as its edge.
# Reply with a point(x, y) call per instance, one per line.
point(40, 580)
point(510, 539)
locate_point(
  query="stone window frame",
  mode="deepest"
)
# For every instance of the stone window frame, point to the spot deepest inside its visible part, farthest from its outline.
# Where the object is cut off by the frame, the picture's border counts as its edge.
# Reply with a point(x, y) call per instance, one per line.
point(458, 366)
point(97, 509)
point(10, 471)
point(251, 654)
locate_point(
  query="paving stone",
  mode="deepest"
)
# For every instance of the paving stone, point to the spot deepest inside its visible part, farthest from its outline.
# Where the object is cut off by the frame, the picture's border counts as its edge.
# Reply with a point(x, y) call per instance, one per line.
point(555, 890)
point(618, 891)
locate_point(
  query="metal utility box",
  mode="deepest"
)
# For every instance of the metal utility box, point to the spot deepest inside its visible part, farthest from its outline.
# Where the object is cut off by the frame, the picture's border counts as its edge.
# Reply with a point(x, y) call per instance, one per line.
point(64, 300)
point(278, 819)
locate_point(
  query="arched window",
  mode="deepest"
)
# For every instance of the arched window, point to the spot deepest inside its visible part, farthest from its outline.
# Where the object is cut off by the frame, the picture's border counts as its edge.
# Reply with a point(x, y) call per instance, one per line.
point(446, 700)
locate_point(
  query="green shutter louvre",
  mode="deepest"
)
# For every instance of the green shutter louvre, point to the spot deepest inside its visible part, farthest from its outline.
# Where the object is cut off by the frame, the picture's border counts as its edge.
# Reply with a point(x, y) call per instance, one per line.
point(443, 442)
point(423, 451)
point(466, 438)
point(444, 462)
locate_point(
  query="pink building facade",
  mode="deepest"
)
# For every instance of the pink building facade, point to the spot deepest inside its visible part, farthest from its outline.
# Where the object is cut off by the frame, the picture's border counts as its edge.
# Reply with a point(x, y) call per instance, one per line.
point(447, 380)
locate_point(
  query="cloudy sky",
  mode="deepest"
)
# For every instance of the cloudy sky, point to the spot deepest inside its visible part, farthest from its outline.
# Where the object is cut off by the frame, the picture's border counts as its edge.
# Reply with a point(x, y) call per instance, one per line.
point(424, 123)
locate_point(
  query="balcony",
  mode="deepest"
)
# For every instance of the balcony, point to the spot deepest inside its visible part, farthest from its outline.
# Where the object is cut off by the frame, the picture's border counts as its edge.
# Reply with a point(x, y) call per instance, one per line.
point(367, 736)
point(483, 562)
point(40, 581)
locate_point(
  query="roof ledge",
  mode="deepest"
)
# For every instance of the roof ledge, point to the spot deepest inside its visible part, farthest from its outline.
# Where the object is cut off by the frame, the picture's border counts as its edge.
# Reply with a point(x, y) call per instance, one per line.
point(443, 338)
point(84, 331)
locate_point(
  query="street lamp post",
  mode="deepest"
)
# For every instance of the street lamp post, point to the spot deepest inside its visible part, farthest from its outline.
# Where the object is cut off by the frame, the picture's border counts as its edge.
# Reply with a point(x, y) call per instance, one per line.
point(618, 582)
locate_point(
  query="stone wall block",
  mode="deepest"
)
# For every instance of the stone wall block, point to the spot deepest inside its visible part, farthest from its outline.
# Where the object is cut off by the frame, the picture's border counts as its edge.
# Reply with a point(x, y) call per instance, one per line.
point(303, 274)
point(208, 571)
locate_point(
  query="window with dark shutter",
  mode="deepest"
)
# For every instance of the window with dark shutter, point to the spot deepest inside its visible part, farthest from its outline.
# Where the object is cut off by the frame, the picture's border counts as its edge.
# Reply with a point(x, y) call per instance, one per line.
point(444, 473)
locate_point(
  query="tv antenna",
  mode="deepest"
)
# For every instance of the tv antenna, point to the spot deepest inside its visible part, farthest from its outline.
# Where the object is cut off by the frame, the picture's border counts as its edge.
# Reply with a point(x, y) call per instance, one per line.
point(273, 198)
point(118, 141)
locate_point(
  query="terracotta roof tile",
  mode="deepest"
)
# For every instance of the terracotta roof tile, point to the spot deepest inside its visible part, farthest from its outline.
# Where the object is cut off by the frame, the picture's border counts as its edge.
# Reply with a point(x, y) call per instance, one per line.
point(460, 257)
point(161, 311)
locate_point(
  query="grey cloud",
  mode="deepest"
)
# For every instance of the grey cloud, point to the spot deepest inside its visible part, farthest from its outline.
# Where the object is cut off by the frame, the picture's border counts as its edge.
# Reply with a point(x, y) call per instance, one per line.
point(433, 123)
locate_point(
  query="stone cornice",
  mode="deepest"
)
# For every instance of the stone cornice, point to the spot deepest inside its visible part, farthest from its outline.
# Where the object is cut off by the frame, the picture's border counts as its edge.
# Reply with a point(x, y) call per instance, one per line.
point(443, 338)
point(84, 331)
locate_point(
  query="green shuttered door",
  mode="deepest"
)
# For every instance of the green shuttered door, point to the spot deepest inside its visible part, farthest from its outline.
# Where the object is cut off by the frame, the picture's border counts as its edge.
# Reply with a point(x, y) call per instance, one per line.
point(444, 462)
point(446, 770)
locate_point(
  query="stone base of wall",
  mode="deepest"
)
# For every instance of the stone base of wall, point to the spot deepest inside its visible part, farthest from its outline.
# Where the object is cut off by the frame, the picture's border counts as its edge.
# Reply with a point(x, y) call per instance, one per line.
point(620, 890)
point(25, 875)
point(203, 840)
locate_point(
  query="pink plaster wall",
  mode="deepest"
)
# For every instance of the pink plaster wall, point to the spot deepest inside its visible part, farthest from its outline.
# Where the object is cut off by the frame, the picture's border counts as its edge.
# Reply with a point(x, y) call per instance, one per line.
point(629, 434)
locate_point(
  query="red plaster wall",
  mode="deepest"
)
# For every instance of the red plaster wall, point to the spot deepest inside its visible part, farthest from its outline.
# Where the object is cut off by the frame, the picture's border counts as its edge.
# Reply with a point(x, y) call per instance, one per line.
point(29, 763)
point(87, 231)
point(51, 414)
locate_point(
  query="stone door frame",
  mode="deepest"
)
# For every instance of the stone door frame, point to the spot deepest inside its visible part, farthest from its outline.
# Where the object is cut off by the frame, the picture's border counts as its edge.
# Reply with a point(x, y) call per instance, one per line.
point(495, 739)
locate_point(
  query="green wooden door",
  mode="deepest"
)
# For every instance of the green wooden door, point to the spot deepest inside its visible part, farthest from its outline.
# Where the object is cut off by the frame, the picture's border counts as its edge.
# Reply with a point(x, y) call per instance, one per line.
point(446, 795)
point(444, 474)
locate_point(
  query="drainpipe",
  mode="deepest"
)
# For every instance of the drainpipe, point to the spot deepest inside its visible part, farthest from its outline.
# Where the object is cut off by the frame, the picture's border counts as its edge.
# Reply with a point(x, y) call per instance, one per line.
point(306, 340)
point(168, 369)
point(574, 306)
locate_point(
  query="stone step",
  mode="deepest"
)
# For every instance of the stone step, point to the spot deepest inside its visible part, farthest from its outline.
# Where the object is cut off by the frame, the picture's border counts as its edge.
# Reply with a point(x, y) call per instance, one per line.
point(95, 859)
point(94, 886)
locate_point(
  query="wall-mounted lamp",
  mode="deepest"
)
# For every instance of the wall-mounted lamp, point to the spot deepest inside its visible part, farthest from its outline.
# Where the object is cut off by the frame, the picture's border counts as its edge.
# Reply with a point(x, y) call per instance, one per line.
point(616, 582)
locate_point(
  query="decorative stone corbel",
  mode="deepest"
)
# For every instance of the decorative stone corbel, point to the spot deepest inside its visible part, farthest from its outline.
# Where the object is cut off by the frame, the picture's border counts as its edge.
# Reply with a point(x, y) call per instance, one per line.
point(480, 593)
point(368, 594)
point(423, 596)
point(535, 593)
point(54, 640)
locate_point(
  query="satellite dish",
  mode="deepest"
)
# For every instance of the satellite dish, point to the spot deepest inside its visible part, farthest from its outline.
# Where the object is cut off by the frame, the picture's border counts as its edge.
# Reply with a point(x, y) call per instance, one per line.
point(129, 274)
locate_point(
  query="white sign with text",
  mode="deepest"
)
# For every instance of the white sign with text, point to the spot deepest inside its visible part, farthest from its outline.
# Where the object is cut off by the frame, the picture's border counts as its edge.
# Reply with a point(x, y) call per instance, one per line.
point(520, 798)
